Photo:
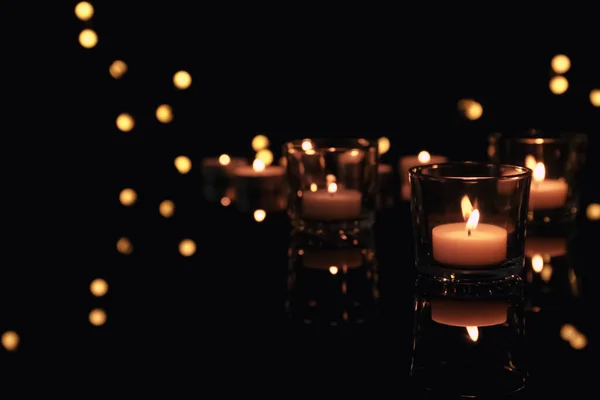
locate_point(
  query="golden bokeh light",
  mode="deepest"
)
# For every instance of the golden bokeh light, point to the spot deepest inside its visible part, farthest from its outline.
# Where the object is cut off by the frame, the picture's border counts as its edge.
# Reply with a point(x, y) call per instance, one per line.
point(124, 246)
point(333, 270)
point(537, 263)
point(97, 317)
point(593, 212)
point(383, 145)
point(166, 208)
point(224, 159)
point(260, 215)
point(260, 142)
point(10, 340)
point(183, 164)
point(125, 122)
point(164, 113)
point(266, 156)
point(127, 197)
point(579, 342)
point(225, 201)
point(595, 97)
point(568, 332)
point(307, 145)
point(187, 247)
point(560, 63)
point(558, 84)
point(117, 69)
point(84, 11)
point(88, 38)
point(471, 109)
point(182, 80)
point(99, 287)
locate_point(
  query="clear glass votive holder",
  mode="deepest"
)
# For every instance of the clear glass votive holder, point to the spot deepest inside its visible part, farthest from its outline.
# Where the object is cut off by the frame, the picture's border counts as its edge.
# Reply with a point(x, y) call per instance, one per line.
point(469, 219)
point(557, 161)
point(333, 184)
point(469, 339)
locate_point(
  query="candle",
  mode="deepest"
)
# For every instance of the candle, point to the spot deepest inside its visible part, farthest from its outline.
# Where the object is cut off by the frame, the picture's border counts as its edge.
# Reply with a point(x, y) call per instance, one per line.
point(423, 158)
point(470, 244)
point(384, 169)
point(546, 193)
point(550, 246)
point(339, 258)
point(223, 165)
point(268, 177)
point(331, 204)
point(466, 313)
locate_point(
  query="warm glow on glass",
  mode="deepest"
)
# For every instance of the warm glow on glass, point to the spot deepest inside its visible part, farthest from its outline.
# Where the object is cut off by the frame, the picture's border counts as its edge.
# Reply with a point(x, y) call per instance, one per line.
point(424, 157)
point(593, 212)
point(332, 187)
point(187, 247)
point(266, 156)
point(97, 317)
point(10, 340)
point(99, 287)
point(84, 11)
point(595, 97)
point(224, 159)
point(333, 270)
point(473, 332)
point(124, 246)
point(471, 224)
point(537, 263)
point(560, 63)
point(559, 84)
point(183, 164)
point(260, 142)
point(125, 122)
point(383, 145)
point(127, 197)
point(539, 172)
point(182, 80)
point(307, 145)
point(260, 215)
point(88, 38)
point(117, 69)
point(164, 113)
point(225, 201)
point(166, 208)
point(258, 165)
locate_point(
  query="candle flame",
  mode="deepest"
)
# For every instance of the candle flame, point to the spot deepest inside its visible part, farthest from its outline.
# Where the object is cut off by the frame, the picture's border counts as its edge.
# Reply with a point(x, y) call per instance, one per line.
point(473, 221)
point(539, 173)
point(466, 207)
point(258, 165)
point(537, 263)
point(354, 152)
point(530, 162)
point(424, 157)
point(224, 159)
point(332, 187)
point(307, 145)
point(473, 333)
point(313, 187)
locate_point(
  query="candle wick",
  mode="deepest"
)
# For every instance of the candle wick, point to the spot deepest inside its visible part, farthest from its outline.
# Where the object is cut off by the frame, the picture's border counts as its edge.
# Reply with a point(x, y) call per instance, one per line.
point(468, 232)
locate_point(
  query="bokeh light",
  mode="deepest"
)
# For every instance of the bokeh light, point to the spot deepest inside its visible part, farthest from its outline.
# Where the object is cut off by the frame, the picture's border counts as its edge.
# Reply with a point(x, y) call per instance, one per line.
point(10, 340)
point(333, 270)
point(182, 80)
point(125, 122)
point(260, 142)
point(164, 113)
point(260, 215)
point(166, 208)
point(187, 247)
point(225, 201)
point(266, 156)
point(97, 317)
point(183, 164)
point(88, 38)
point(124, 246)
point(559, 84)
point(99, 287)
point(383, 145)
point(127, 197)
point(84, 11)
point(593, 212)
point(595, 97)
point(560, 63)
point(471, 109)
point(224, 159)
point(117, 69)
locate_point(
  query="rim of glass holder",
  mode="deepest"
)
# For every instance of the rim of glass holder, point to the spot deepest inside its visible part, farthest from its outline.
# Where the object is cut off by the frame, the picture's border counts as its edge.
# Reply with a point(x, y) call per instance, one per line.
point(421, 172)
point(532, 136)
point(331, 145)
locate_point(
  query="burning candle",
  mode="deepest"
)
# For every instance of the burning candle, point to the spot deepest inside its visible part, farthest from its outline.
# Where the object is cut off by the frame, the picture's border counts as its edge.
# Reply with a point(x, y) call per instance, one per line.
point(546, 193)
point(325, 259)
point(407, 162)
point(221, 166)
point(470, 244)
point(331, 204)
point(469, 314)
point(269, 177)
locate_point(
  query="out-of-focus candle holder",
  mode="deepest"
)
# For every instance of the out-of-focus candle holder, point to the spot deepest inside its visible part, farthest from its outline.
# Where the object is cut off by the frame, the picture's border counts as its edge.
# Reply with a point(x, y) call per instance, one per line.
point(217, 193)
point(557, 161)
point(407, 162)
point(386, 183)
point(217, 171)
point(465, 226)
point(253, 181)
point(469, 339)
point(269, 202)
point(332, 285)
point(333, 184)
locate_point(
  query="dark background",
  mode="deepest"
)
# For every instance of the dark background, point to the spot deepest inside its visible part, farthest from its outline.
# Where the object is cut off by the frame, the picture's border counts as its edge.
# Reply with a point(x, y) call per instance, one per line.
point(215, 319)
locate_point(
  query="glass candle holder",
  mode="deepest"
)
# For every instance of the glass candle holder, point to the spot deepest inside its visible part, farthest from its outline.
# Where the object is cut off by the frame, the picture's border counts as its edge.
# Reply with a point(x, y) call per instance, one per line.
point(217, 171)
point(333, 183)
point(557, 161)
point(469, 219)
point(257, 179)
point(469, 339)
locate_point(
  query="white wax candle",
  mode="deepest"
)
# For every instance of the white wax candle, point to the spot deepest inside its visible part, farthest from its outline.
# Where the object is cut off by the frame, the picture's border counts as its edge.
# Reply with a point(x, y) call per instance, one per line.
point(340, 258)
point(453, 245)
point(546, 193)
point(224, 163)
point(423, 158)
point(551, 246)
point(332, 204)
point(465, 313)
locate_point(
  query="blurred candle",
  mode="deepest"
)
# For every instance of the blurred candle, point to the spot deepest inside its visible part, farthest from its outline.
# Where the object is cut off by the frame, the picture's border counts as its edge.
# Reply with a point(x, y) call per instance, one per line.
point(331, 204)
point(546, 193)
point(465, 313)
point(223, 165)
point(407, 162)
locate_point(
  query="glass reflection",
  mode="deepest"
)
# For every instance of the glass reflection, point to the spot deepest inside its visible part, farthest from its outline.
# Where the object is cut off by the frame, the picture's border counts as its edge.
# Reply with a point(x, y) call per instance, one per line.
point(332, 286)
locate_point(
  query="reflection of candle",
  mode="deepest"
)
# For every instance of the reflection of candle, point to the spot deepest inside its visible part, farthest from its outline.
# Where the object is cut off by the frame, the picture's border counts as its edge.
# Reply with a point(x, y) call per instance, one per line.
point(212, 167)
point(546, 193)
point(324, 259)
point(423, 158)
point(331, 204)
point(551, 246)
point(470, 244)
point(464, 313)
